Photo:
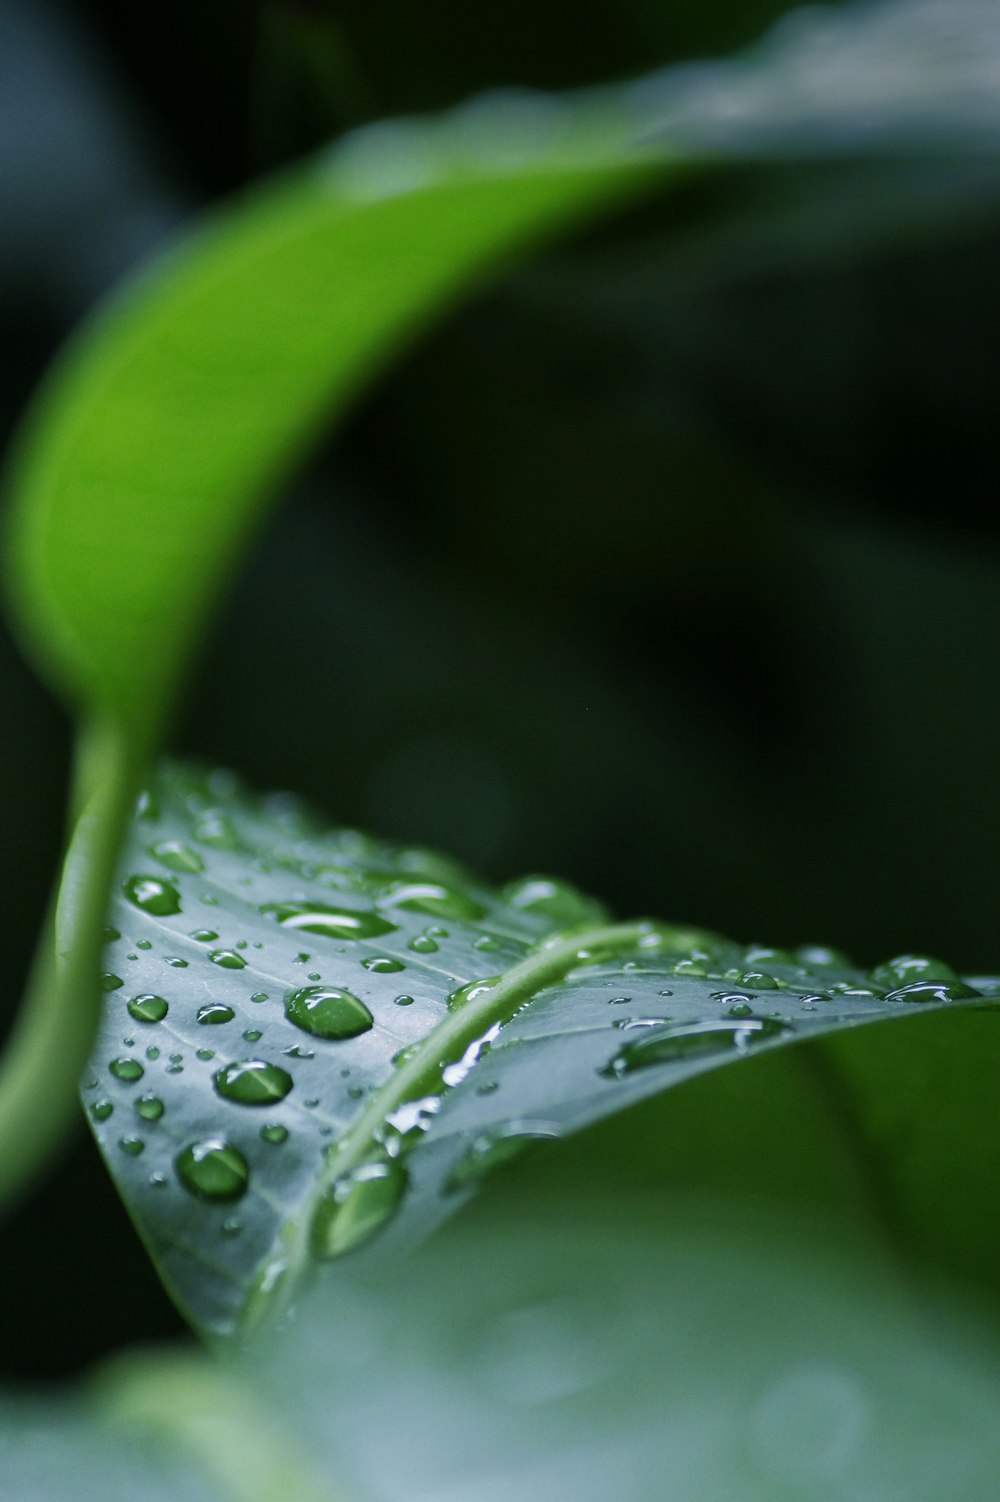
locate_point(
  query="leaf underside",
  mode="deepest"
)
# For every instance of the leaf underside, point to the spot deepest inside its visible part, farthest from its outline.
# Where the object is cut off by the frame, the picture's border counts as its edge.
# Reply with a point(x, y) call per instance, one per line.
point(239, 921)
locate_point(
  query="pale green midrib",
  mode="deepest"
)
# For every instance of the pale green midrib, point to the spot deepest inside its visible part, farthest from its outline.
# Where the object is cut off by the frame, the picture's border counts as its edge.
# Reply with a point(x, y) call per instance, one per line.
point(421, 1074)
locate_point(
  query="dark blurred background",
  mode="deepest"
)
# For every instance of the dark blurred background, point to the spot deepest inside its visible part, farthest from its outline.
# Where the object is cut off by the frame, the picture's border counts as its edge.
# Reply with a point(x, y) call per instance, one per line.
point(668, 565)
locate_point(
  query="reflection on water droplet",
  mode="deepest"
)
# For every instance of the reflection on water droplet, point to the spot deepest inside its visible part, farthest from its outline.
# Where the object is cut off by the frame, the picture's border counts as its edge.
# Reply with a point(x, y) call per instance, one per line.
point(932, 990)
point(259, 996)
point(177, 962)
point(215, 1012)
point(101, 1110)
point(227, 958)
point(357, 1207)
point(558, 901)
point(126, 1070)
point(335, 922)
point(690, 967)
point(131, 1145)
point(148, 1008)
point(274, 1132)
point(382, 964)
point(423, 944)
point(205, 1054)
point(432, 897)
point(492, 1149)
point(759, 980)
point(157, 1180)
point(143, 943)
point(327, 1012)
point(690, 1039)
point(471, 991)
point(905, 968)
point(111, 982)
point(404, 1001)
point(212, 1169)
point(177, 855)
point(149, 1107)
point(151, 895)
point(252, 1034)
point(253, 1082)
point(204, 935)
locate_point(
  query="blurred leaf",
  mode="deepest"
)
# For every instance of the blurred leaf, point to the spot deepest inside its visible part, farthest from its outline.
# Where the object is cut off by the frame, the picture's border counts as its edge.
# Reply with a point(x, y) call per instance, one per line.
point(292, 1011)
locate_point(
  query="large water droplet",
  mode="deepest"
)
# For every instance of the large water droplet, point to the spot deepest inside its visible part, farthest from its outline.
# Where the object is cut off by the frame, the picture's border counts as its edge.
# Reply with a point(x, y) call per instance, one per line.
point(212, 1169)
point(432, 897)
point(253, 1082)
point(131, 1145)
point(911, 967)
point(126, 1070)
point(148, 1008)
point(383, 964)
point(932, 990)
point(357, 1207)
point(151, 895)
point(101, 1110)
point(149, 1107)
point(227, 958)
point(327, 1012)
point(558, 901)
point(177, 855)
point(215, 1012)
point(335, 922)
point(689, 1039)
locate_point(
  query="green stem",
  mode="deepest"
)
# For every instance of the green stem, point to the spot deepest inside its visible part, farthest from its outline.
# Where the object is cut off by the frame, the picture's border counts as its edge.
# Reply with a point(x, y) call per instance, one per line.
point(55, 1028)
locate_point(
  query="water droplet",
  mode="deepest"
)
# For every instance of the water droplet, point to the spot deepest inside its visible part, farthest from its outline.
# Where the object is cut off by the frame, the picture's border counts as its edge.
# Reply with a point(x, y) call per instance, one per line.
point(357, 1207)
point(327, 1012)
point(152, 1053)
point(404, 1001)
point(252, 1034)
point(298, 1052)
point(101, 1110)
point(143, 943)
point(910, 967)
point(763, 954)
point(149, 1107)
point(487, 942)
point(147, 805)
point(215, 1012)
point(436, 898)
point(335, 922)
point(151, 895)
point(131, 1145)
point(227, 958)
point(689, 1039)
point(253, 1082)
point(204, 935)
point(274, 1132)
point(558, 901)
point(110, 934)
point(157, 1180)
point(423, 944)
point(471, 991)
point(259, 996)
point(177, 962)
point(488, 1087)
point(383, 964)
point(148, 1008)
point(126, 1070)
point(689, 967)
point(759, 980)
point(932, 990)
point(177, 855)
point(212, 1169)
point(492, 1149)
point(111, 982)
point(216, 830)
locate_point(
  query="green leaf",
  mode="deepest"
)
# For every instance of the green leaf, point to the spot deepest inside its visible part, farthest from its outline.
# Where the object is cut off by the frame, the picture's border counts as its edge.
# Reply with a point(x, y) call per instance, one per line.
point(312, 1040)
point(590, 1346)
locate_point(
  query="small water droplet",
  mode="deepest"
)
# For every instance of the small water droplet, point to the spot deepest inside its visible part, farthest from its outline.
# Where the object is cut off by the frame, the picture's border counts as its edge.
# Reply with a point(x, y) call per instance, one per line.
point(143, 943)
point(152, 1053)
point(423, 944)
point(147, 805)
point(151, 895)
point(357, 1207)
point(205, 1054)
point(227, 958)
point(204, 935)
point(215, 1012)
point(149, 1107)
point(212, 1169)
point(259, 996)
point(298, 1052)
point(111, 982)
point(689, 1039)
point(126, 1070)
point(487, 943)
point(383, 964)
point(177, 855)
point(216, 830)
point(100, 1110)
point(558, 901)
point(176, 962)
point(759, 980)
point(690, 967)
point(327, 1012)
point(471, 991)
point(274, 1132)
point(148, 1008)
point(110, 934)
point(252, 1034)
point(131, 1145)
point(321, 918)
point(253, 1082)
point(157, 1180)
point(231, 1227)
point(488, 1087)
point(404, 1001)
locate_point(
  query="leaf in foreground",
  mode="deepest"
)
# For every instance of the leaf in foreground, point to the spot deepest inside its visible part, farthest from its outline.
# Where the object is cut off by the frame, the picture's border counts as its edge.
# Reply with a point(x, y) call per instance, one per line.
point(313, 1041)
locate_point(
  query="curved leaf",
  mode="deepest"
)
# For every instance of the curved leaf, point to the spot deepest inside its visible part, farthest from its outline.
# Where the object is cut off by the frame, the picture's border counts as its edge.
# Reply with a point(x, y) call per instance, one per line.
point(311, 1038)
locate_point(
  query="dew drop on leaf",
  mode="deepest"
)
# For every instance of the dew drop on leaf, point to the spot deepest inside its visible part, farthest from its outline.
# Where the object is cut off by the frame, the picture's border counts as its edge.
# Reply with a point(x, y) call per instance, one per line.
point(274, 1132)
point(932, 990)
point(327, 1012)
point(253, 1082)
point(131, 1145)
point(148, 1008)
point(212, 1169)
point(404, 1001)
point(383, 964)
point(432, 897)
point(151, 895)
point(178, 856)
point(558, 901)
point(149, 1107)
point(423, 944)
point(252, 1035)
point(215, 1012)
point(100, 1110)
point(894, 974)
point(227, 958)
point(357, 1207)
point(126, 1070)
point(204, 935)
point(492, 1149)
point(689, 1039)
point(111, 982)
point(335, 922)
